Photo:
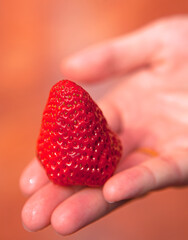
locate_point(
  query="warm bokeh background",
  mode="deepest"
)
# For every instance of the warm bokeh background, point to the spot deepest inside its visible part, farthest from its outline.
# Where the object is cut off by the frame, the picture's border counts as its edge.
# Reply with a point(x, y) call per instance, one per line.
point(35, 36)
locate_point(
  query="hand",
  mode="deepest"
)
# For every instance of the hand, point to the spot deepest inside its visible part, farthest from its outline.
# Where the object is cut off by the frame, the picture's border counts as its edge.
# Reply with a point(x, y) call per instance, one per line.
point(149, 111)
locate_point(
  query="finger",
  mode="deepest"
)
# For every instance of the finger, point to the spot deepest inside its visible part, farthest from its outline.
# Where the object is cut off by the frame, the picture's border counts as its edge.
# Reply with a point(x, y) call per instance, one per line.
point(33, 177)
point(79, 210)
point(150, 175)
point(114, 119)
point(37, 211)
point(133, 159)
point(111, 114)
point(114, 57)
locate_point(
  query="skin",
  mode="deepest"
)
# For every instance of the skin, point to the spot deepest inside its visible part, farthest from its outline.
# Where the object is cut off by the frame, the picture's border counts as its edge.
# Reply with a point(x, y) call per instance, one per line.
point(149, 111)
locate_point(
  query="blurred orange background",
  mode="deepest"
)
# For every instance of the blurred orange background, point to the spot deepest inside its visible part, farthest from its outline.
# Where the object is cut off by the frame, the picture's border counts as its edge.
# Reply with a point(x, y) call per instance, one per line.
point(35, 36)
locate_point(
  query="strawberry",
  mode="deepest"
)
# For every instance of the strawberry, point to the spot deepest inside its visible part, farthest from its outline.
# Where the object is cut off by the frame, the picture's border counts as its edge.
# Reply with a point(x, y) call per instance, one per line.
point(75, 145)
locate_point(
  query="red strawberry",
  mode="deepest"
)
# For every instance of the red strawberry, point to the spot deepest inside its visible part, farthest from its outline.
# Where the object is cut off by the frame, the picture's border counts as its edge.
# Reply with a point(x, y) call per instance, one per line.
point(75, 145)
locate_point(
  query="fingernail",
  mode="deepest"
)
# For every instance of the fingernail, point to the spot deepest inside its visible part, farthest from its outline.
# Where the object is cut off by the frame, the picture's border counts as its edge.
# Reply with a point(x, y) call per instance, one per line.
point(110, 202)
point(27, 229)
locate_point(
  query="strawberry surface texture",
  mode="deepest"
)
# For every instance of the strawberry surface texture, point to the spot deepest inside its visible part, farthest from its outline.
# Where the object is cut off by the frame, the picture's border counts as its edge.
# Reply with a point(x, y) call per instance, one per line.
point(75, 144)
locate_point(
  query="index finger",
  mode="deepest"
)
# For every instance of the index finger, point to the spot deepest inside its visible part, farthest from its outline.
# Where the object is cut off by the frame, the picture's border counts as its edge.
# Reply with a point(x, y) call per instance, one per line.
point(115, 57)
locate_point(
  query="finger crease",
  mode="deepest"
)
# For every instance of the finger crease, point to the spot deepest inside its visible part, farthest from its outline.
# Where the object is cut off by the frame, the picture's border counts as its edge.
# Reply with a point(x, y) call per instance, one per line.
point(175, 167)
point(152, 177)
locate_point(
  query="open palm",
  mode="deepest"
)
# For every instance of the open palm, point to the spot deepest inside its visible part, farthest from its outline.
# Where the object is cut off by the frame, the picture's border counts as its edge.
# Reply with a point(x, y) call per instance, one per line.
point(149, 111)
